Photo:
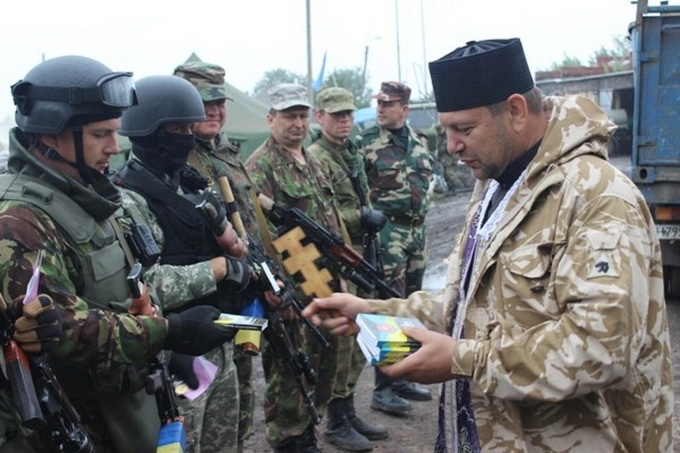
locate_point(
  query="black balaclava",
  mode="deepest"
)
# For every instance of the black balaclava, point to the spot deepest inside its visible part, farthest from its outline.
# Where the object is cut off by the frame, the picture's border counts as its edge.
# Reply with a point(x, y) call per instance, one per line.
point(163, 151)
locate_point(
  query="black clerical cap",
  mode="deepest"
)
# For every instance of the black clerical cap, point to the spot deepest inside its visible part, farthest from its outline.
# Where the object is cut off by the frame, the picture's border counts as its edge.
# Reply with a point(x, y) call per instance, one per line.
point(480, 73)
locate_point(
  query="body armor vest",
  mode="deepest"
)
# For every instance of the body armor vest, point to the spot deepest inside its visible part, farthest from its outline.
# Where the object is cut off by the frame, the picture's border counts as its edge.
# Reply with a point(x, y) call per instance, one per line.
point(187, 237)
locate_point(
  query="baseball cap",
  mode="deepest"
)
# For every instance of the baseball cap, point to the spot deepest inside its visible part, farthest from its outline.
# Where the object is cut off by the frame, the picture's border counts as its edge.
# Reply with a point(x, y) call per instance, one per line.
point(335, 99)
point(208, 78)
point(393, 91)
point(286, 95)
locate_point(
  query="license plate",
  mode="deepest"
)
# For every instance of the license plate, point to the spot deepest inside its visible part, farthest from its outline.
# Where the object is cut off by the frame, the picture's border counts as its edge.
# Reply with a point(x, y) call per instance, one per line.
point(668, 231)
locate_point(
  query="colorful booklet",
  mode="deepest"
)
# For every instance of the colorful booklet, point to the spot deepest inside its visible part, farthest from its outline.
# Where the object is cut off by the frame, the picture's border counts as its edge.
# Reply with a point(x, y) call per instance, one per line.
point(242, 322)
point(381, 339)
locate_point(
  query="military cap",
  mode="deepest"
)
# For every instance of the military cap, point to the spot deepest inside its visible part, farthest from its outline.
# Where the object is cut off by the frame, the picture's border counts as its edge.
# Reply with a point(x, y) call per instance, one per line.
point(393, 91)
point(208, 78)
point(286, 95)
point(335, 99)
point(480, 73)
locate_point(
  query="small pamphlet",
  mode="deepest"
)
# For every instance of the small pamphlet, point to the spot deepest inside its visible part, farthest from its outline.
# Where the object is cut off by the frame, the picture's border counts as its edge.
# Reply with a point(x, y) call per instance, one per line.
point(381, 339)
point(242, 322)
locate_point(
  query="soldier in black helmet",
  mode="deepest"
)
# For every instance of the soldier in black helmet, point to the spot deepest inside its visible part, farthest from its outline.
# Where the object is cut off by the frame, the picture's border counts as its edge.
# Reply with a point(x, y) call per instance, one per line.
point(196, 266)
point(57, 203)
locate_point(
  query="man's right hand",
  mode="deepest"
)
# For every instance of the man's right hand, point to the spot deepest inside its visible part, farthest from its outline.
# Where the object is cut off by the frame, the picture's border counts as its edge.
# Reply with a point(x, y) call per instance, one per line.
point(336, 313)
point(38, 327)
point(194, 332)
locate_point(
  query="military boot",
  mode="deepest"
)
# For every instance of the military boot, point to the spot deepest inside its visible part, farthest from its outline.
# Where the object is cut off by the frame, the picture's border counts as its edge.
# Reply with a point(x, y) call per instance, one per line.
point(385, 399)
point(411, 391)
point(340, 432)
point(370, 432)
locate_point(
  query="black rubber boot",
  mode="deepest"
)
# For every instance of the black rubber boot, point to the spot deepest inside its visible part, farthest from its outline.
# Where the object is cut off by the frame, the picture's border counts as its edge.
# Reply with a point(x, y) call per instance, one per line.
point(370, 432)
point(339, 431)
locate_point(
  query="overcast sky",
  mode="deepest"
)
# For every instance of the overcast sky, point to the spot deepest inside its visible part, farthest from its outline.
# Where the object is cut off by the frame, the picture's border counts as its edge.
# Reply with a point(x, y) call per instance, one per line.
point(250, 37)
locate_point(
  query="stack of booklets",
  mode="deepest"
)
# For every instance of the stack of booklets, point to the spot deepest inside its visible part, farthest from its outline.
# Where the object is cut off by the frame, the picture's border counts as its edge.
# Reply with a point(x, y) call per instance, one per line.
point(242, 322)
point(381, 339)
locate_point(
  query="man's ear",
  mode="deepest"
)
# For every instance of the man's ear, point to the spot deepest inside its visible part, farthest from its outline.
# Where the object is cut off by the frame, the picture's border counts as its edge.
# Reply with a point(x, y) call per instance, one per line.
point(519, 110)
point(52, 141)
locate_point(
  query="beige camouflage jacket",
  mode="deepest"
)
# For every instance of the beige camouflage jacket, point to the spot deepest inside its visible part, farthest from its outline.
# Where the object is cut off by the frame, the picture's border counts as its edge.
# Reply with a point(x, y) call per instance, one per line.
point(566, 337)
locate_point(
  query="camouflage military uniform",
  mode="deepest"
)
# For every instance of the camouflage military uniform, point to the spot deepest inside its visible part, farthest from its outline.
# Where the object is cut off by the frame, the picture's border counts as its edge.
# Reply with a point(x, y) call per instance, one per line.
point(339, 163)
point(399, 179)
point(569, 286)
point(97, 346)
point(291, 184)
point(214, 160)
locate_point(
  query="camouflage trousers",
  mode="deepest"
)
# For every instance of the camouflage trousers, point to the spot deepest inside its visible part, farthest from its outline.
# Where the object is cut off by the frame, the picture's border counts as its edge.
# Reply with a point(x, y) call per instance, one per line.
point(449, 164)
point(212, 419)
point(286, 414)
point(244, 368)
point(403, 256)
point(351, 363)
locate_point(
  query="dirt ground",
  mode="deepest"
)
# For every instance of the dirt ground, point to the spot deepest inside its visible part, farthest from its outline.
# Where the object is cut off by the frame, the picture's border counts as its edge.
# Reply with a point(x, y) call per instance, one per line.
point(416, 431)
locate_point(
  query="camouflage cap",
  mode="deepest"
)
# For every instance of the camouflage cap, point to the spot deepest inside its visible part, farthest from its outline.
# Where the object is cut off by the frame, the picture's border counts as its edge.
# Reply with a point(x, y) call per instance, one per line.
point(335, 99)
point(393, 91)
point(286, 95)
point(208, 78)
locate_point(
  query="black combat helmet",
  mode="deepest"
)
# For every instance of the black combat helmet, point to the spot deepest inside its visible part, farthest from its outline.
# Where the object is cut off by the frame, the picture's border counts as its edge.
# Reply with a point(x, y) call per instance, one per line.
point(69, 91)
point(162, 99)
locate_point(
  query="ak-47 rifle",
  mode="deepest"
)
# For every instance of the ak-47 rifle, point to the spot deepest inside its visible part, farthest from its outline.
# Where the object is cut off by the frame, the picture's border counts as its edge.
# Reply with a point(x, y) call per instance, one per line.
point(276, 333)
point(342, 258)
point(38, 396)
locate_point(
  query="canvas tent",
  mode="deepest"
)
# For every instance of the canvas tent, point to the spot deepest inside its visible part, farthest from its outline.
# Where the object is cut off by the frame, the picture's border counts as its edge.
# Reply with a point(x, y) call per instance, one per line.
point(246, 123)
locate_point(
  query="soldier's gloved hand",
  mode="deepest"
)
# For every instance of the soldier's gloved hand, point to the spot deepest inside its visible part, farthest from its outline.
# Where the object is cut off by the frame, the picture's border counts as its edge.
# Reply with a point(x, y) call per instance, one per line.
point(39, 326)
point(238, 273)
point(182, 367)
point(194, 331)
point(372, 219)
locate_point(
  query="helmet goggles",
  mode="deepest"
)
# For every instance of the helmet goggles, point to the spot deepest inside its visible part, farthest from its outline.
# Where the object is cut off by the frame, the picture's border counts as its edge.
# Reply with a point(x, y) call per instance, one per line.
point(116, 89)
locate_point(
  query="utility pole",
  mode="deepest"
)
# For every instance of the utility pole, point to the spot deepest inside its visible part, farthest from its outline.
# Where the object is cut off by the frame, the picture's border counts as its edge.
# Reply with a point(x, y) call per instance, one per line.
point(396, 15)
point(310, 95)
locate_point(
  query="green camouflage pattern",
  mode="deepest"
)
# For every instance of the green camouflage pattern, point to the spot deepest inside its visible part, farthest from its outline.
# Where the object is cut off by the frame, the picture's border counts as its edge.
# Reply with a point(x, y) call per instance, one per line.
point(96, 341)
point(338, 163)
point(291, 184)
point(399, 178)
point(403, 256)
point(214, 159)
point(208, 78)
point(570, 287)
point(212, 419)
point(335, 99)
point(448, 162)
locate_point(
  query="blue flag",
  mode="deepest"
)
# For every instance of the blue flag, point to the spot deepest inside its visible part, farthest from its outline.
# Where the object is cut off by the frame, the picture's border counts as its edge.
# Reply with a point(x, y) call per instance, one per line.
point(319, 79)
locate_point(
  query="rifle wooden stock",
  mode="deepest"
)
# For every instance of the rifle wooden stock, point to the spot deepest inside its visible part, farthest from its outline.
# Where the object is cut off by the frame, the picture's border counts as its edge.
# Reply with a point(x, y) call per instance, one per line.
point(234, 215)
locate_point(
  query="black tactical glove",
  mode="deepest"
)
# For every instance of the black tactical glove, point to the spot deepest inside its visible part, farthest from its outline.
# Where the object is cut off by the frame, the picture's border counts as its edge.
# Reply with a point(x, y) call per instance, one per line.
point(372, 219)
point(193, 331)
point(182, 367)
point(238, 273)
point(38, 327)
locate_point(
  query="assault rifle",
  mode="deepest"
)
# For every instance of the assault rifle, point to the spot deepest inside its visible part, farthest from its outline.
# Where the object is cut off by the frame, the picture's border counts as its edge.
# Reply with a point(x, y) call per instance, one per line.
point(39, 398)
point(158, 382)
point(342, 258)
point(276, 333)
